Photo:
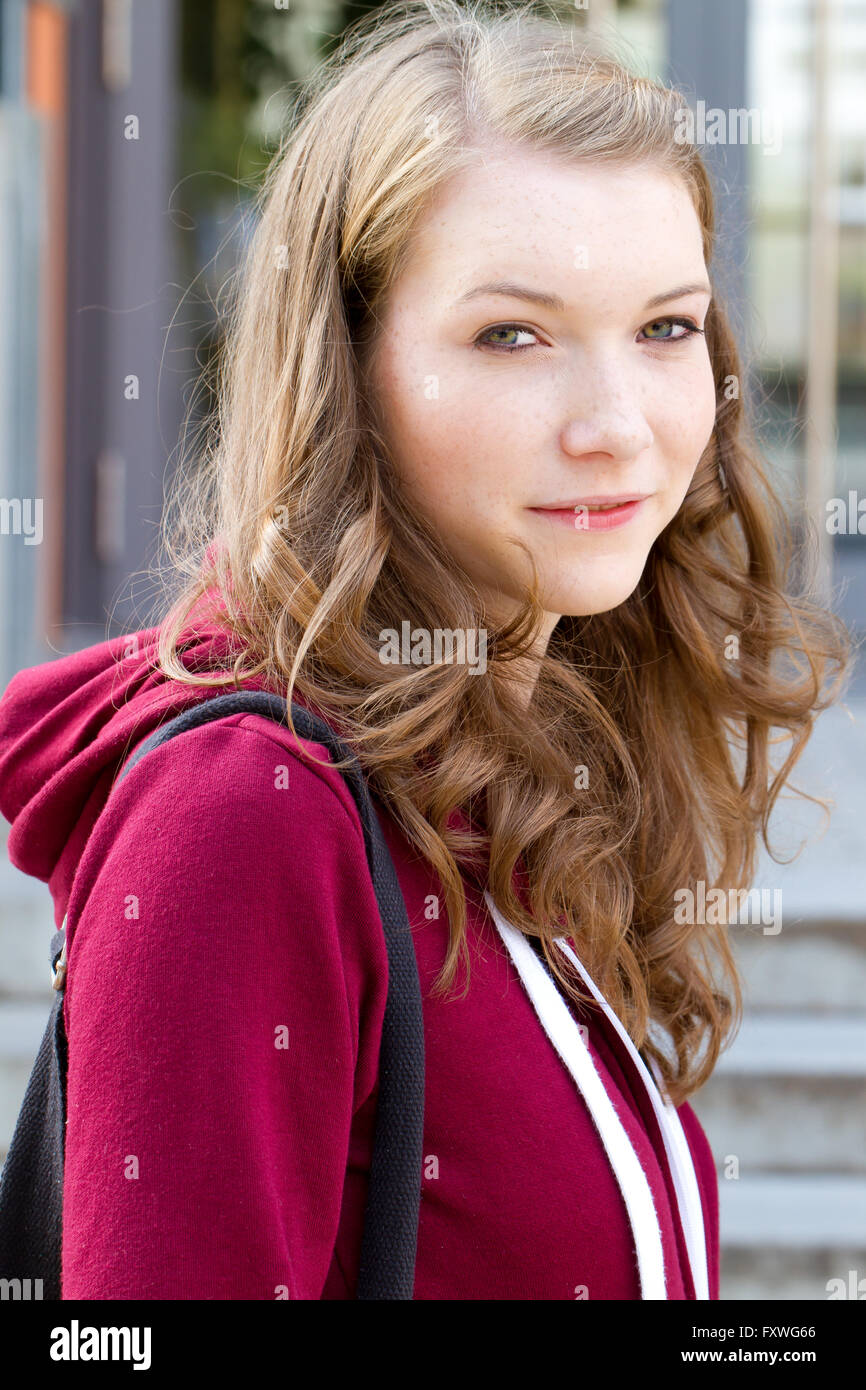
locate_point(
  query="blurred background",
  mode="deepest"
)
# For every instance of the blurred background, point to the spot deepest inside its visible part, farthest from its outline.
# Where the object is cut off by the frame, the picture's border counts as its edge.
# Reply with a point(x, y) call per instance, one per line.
point(132, 136)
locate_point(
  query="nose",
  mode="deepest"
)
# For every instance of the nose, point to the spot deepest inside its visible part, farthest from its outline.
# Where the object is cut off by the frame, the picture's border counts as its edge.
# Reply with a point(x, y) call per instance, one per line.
point(608, 419)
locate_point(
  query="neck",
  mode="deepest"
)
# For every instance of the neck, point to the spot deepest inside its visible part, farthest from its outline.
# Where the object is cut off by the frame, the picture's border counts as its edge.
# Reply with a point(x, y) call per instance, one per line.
point(522, 673)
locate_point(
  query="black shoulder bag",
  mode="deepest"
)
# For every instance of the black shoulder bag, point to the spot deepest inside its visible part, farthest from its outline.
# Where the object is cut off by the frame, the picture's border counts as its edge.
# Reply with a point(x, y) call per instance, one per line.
point(31, 1184)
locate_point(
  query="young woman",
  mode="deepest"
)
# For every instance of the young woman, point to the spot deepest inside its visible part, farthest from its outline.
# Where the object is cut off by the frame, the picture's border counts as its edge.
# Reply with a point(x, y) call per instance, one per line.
point(482, 496)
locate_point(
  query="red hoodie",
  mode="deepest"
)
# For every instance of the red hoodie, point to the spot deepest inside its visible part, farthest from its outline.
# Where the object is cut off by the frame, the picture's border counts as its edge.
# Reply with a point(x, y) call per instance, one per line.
point(226, 987)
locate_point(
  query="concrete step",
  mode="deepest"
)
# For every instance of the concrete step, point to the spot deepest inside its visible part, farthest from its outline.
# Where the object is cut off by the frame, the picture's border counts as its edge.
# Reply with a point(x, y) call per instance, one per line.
point(797, 1044)
point(812, 965)
point(783, 1124)
point(824, 882)
point(789, 1096)
point(758, 1276)
point(816, 1211)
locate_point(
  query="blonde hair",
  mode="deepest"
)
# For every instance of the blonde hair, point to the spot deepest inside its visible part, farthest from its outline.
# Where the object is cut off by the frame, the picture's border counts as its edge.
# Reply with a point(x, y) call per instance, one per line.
point(292, 529)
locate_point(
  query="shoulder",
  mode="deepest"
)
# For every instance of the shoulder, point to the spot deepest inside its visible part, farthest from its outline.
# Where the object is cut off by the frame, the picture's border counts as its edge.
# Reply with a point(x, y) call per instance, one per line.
point(238, 801)
point(232, 846)
point(244, 761)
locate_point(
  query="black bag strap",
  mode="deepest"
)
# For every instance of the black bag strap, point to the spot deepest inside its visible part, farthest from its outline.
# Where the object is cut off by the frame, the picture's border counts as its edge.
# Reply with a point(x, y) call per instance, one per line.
point(388, 1246)
point(389, 1242)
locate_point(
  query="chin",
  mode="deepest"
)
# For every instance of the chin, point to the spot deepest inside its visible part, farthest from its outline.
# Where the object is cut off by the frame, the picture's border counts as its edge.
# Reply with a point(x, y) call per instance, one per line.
point(594, 593)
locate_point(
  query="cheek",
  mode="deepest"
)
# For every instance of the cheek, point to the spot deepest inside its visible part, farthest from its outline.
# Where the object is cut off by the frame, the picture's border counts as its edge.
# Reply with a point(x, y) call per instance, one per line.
point(447, 442)
point(684, 426)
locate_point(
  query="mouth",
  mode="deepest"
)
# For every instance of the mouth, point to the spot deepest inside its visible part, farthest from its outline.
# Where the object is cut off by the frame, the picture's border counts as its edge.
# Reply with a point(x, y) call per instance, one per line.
point(593, 513)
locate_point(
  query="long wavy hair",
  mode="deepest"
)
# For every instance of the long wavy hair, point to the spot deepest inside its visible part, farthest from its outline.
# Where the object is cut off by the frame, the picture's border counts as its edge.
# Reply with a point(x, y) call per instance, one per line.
point(288, 524)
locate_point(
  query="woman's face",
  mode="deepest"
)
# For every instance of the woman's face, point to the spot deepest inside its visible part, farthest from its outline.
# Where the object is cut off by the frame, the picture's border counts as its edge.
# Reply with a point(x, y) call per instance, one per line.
point(532, 355)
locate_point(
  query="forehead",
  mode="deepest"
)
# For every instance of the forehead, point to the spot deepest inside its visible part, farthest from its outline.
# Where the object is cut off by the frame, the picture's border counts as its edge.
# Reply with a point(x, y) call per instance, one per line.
point(537, 214)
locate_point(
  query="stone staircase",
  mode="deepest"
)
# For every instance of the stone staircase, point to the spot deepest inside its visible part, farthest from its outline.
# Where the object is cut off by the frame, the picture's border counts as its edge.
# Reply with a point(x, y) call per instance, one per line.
point(785, 1108)
point(785, 1114)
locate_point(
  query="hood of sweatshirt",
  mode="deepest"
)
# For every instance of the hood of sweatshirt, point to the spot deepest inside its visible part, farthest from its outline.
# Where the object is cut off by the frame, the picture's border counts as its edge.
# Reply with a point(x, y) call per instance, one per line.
point(68, 725)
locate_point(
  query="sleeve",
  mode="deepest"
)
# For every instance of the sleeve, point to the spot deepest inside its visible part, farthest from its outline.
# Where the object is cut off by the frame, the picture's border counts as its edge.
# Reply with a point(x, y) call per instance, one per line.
point(226, 989)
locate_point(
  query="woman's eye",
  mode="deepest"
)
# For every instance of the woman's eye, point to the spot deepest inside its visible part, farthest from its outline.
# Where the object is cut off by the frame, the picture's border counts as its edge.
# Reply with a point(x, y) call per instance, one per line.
point(502, 337)
point(665, 337)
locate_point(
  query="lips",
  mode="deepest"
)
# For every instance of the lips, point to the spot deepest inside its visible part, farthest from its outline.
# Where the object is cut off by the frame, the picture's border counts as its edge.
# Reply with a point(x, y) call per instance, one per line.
point(597, 503)
point(593, 513)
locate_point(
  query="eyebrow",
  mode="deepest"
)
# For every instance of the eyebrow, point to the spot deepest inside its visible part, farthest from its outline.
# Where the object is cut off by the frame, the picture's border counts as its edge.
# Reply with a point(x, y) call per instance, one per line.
point(558, 305)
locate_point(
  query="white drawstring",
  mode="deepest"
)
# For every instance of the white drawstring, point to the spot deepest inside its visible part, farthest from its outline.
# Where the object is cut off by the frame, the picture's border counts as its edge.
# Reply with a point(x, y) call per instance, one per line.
point(561, 1027)
point(676, 1144)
